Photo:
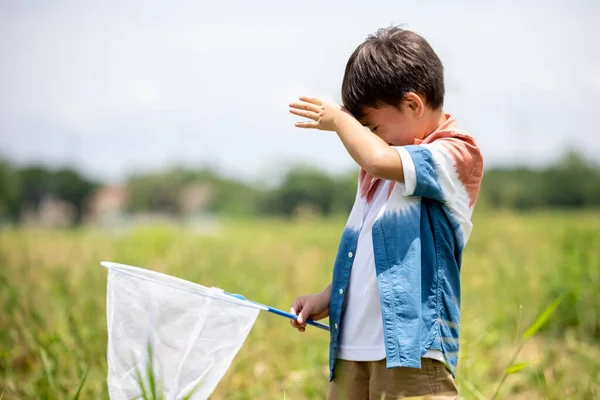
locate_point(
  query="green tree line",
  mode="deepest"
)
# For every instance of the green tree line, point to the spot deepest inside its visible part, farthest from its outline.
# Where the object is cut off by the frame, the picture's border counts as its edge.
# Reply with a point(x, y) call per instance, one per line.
point(25, 188)
point(571, 182)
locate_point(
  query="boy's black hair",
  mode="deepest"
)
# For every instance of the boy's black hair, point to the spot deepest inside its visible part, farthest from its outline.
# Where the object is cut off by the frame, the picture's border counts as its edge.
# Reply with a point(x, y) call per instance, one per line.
point(388, 65)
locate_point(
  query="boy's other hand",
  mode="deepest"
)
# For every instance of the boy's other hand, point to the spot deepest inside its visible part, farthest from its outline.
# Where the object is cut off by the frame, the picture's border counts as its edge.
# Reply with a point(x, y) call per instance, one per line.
point(313, 307)
point(322, 114)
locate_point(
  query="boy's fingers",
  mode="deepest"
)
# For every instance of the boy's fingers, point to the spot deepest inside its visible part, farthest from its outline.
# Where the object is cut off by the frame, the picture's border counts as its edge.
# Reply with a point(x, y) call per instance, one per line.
point(312, 100)
point(307, 124)
point(305, 114)
point(294, 309)
point(306, 106)
point(298, 309)
point(301, 320)
point(297, 325)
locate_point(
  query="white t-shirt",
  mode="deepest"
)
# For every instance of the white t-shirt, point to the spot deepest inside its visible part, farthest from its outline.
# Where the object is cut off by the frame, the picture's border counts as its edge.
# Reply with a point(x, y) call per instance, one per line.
point(361, 330)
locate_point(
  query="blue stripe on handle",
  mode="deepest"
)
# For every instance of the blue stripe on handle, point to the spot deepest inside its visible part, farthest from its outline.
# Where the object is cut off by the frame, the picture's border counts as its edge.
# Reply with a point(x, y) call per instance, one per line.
point(282, 313)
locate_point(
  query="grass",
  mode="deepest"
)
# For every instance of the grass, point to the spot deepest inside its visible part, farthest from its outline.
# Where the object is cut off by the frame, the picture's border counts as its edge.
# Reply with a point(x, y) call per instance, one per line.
point(516, 266)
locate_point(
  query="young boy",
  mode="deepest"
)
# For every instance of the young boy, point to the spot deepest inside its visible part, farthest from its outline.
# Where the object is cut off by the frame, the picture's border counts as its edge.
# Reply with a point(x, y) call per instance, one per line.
point(394, 300)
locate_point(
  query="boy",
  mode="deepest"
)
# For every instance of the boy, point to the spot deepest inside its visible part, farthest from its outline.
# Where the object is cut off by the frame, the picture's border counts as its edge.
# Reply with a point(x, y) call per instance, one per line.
point(394, 319)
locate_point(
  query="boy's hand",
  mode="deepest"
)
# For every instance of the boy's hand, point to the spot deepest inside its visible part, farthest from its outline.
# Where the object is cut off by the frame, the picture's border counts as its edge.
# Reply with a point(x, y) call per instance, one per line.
point(313, 307)
point(322, 114)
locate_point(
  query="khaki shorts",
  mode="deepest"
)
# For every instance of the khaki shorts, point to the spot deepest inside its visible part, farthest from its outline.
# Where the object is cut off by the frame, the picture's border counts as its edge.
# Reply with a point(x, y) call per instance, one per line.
point(371, 380)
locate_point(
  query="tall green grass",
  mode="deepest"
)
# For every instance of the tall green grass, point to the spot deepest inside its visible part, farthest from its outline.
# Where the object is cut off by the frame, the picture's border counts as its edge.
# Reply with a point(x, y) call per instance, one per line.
point(516, 266)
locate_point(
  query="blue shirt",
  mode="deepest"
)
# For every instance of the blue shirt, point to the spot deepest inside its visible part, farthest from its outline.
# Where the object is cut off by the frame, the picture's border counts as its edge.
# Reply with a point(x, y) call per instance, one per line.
point(418, 240)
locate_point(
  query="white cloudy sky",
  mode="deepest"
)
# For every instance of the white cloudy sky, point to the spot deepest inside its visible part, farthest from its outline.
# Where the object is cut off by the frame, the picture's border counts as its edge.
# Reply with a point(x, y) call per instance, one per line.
point(114, 87)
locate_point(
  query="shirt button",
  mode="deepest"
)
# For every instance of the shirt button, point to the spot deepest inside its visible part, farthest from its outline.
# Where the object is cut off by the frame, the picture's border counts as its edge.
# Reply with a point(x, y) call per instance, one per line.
point(335, 325)
point(350, 255)
point(341, 291)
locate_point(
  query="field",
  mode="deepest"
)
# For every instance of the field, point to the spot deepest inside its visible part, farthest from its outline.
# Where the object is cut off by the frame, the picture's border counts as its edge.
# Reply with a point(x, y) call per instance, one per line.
point(53, 323)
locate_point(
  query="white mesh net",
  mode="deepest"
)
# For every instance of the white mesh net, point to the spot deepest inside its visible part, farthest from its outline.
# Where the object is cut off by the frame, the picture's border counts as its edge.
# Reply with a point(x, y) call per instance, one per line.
point(193, 333)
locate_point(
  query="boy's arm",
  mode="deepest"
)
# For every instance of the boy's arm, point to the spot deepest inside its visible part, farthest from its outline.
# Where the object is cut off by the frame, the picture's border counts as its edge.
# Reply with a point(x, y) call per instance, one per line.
point(368, 150)
point(448, 170)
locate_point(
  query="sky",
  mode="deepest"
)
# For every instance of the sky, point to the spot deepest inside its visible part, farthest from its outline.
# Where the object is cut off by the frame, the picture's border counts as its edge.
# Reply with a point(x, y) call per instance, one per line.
point(114, 87)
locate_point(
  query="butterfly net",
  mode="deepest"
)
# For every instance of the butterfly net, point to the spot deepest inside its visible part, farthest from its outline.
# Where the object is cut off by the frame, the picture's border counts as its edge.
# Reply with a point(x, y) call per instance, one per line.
point(168, 335)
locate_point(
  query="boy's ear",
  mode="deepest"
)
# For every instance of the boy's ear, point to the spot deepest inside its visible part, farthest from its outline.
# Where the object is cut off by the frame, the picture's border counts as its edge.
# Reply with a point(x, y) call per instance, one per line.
point(415, 104)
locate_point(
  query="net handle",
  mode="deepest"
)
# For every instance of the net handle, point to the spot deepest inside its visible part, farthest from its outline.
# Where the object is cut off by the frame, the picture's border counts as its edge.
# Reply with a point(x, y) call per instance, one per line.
point(281, 312)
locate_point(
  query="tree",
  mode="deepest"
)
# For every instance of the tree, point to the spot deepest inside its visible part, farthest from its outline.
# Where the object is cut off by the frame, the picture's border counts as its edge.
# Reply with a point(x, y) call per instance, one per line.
point(35, 182)
point(573, 182)
point(154, 192)
point(305, 186)
point(9, 191)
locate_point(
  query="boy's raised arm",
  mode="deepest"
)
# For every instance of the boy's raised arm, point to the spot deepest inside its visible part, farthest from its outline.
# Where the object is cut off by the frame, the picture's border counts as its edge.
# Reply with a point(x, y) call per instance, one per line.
point(367, 149)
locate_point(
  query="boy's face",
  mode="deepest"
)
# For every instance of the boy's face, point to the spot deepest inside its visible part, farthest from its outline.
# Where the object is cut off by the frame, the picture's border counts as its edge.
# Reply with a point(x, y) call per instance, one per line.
point(395, 127)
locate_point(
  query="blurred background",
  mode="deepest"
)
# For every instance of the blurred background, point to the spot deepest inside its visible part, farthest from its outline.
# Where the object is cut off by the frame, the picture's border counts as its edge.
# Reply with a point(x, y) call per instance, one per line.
point(158, 135)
